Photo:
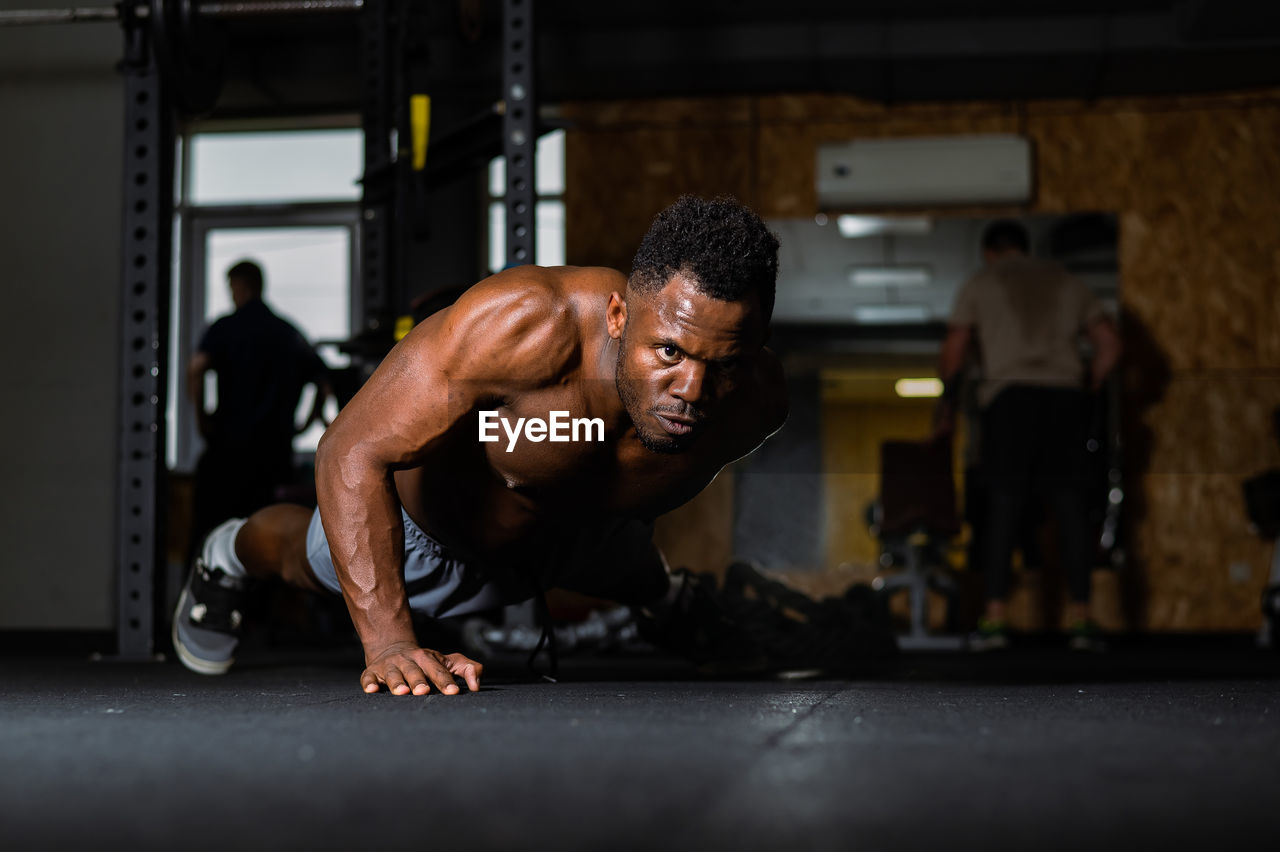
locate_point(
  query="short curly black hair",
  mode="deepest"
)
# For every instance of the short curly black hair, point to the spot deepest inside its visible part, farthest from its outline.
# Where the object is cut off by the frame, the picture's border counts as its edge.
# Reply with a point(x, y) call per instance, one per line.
point(720, 243)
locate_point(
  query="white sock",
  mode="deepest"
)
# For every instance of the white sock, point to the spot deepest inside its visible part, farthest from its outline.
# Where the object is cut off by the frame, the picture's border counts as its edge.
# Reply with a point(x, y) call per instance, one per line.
point(220, 548)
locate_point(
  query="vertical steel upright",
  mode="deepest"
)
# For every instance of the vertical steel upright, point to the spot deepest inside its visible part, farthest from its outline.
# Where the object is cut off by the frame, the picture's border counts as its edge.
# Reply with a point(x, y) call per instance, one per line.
point(144, 321)
point(519, 128)
point(377, 260)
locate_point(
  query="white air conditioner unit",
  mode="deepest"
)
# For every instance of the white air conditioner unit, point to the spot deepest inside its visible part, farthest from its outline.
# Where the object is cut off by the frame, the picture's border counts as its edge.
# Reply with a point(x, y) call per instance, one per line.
point(924, 171)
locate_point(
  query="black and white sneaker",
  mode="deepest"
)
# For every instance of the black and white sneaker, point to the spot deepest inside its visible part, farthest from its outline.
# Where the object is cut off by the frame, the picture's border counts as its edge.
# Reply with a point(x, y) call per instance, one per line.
point(206, 623)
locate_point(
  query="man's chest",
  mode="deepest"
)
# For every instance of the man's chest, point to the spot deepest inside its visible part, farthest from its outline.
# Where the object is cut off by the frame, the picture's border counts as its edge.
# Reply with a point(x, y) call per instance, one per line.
point(551, 457)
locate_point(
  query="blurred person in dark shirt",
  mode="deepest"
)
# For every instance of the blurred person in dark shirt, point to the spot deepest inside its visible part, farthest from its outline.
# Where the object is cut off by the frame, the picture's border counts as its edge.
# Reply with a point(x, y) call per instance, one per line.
point(263, 364)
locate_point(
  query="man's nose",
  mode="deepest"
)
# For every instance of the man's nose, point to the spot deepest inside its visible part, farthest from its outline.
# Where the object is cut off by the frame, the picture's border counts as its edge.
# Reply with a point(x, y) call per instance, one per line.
point(691, 382)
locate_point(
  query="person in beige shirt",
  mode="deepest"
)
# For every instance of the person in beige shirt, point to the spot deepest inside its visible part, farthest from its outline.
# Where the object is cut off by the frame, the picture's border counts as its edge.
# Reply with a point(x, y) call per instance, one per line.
point(1027, 318)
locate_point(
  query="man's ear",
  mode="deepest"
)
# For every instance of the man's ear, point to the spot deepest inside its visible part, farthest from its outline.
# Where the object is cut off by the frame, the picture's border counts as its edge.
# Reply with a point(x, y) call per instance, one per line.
point(616, 315)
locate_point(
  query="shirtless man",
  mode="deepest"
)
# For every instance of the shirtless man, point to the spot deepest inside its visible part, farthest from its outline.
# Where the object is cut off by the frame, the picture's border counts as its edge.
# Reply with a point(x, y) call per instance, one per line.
point(668, 373)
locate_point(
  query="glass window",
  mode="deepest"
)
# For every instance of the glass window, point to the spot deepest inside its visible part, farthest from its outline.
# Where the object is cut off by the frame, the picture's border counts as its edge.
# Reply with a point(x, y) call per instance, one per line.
point(549, 241)
point(285, 166)
point(548, 168)
point(307, 274)
point(549, 248)
point(288, 199)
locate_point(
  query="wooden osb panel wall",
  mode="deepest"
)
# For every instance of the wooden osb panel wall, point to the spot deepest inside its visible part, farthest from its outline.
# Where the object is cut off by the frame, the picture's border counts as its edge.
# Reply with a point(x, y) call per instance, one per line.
point(627, 161)
point(852, 432)
point(1196, 184)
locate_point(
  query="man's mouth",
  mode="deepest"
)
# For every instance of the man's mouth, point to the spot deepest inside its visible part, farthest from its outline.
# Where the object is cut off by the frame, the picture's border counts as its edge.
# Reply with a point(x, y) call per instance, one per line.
point(675, 425)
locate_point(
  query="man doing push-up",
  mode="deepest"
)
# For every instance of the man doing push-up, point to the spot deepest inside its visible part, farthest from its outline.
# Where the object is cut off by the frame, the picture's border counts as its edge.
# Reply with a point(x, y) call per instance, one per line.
point(458, 478)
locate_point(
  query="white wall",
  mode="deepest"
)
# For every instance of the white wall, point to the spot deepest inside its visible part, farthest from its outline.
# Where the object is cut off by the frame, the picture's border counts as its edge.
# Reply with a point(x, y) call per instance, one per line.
point(60, 167)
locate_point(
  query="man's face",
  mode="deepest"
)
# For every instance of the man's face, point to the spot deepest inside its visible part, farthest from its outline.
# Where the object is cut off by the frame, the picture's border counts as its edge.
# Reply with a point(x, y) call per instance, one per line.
point(241, 292)
point(682, 352)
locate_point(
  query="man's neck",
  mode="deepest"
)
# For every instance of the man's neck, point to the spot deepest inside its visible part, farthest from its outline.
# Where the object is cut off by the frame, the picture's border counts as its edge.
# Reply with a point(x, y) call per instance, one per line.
point(600, 386)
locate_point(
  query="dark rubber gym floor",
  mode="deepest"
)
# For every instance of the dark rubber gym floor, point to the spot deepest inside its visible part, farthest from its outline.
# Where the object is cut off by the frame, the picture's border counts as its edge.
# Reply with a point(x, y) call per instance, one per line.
point(1155, 746)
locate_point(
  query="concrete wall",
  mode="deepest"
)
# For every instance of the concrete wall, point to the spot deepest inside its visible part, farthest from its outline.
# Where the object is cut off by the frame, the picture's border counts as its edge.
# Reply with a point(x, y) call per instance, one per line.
point(60, 164)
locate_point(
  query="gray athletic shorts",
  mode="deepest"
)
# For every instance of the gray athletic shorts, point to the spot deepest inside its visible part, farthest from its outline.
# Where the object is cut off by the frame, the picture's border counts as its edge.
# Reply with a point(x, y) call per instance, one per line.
point(616, 560)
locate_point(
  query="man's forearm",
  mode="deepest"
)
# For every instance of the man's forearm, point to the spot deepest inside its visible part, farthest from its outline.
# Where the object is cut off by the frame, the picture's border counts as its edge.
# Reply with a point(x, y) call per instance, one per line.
point(361, 518)
point(951, 358)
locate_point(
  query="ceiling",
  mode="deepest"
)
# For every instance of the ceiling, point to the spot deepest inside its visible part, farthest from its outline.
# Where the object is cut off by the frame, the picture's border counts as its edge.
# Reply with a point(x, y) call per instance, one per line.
point(893, 52)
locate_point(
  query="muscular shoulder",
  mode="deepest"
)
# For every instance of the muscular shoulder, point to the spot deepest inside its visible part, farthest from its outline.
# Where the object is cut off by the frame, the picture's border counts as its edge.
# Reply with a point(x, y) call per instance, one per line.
point(520, 325)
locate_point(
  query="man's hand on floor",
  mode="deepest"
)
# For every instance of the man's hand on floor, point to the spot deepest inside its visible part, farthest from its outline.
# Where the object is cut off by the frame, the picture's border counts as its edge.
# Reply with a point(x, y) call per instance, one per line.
point(406, 669)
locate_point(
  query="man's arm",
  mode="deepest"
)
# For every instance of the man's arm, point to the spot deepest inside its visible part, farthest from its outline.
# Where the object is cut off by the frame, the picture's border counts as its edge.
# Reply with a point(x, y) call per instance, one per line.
point(1107, 349)
point(317, 373)
point(200, 364)
point(324, 390)
point(955, 349)
point(513, 327)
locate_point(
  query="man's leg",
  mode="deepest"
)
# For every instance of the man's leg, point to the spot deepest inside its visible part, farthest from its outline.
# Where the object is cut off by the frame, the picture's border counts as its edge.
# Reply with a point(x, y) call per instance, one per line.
point(1004, 443)
point(1064, 459)
point(271, 543)
point(1072, 517)
point(213, 498)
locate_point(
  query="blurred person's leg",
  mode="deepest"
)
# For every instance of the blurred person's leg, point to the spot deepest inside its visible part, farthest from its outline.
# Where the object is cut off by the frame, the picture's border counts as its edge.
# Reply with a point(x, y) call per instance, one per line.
point(1005, 449)
point(214, 497)
point(1061, 474)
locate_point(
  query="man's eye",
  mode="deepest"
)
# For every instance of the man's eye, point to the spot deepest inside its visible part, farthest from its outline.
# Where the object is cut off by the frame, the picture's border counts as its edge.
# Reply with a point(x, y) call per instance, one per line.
point(669, 353)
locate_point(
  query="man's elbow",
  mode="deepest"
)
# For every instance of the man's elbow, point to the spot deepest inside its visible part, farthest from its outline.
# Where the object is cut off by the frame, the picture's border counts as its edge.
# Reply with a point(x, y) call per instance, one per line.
point(955, 347)
point(332, 456)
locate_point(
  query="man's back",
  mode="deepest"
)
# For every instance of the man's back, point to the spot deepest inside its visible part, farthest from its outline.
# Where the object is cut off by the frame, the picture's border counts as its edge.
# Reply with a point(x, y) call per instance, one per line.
point(1029, 315)
point(262, 363)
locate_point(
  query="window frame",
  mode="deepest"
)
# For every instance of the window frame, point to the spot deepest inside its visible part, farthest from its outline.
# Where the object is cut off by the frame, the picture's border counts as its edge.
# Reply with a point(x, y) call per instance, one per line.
point(192, 224)
point(498, 200)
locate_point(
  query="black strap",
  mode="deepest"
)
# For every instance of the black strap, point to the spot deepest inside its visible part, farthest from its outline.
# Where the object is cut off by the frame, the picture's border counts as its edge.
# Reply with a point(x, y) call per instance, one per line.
point(548, 638)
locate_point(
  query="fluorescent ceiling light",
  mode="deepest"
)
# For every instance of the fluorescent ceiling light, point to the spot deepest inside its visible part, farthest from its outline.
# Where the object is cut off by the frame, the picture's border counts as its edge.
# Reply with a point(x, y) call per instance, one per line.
point(891, 313)
point(869, 226)
point(918, 388)
point(890, 276)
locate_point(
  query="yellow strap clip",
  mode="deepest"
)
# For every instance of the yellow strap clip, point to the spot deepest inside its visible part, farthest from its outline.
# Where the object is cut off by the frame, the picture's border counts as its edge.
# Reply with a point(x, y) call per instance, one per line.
point(420, 121)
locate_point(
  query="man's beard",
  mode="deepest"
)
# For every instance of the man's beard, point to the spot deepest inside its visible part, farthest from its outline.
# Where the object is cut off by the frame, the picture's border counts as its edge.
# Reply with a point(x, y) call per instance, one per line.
point(654, 442)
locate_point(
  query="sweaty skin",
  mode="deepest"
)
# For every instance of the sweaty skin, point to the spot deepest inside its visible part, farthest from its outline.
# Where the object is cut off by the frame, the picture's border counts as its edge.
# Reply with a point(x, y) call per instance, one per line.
point(682, 382)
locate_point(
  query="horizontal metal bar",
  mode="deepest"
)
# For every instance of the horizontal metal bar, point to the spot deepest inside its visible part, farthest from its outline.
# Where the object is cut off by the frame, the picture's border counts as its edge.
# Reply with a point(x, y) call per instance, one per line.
point(222, 10)
point(31, 17)
point(250, 8)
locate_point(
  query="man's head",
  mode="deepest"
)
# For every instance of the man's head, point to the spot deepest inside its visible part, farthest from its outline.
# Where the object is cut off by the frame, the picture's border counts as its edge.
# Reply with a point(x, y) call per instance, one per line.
point(1004, 237)
point(245, 280)
point(695, 314)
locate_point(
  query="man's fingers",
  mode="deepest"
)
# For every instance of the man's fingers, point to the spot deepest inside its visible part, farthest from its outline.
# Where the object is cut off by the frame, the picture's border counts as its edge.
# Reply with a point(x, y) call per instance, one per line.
point(416, 673)
point(415, 678)
point(469, 670)
point(395, 681)
point(433, 665)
